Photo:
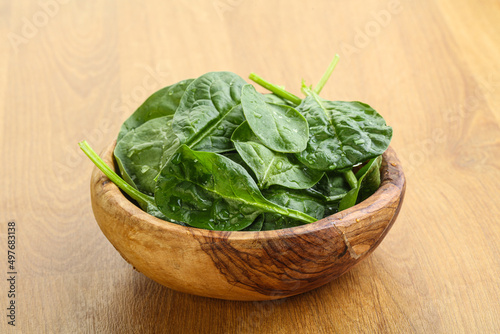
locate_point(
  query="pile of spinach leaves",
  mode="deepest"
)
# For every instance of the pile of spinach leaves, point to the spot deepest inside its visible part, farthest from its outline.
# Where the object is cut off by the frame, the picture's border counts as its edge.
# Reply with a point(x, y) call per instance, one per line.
point(214, 153)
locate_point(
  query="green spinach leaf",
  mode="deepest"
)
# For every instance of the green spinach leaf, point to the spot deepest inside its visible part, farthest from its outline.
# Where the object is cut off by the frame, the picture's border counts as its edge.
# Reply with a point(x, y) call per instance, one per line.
point(272, 167)
point(275, 99)
point(237, 158)
point(291, 199)
point(279, 127)
point(144, 150)
point(257, 224)
point(162, 103)
point(369, 175)
point(243, 133)
point(370, 179)
point(273, 221)
point(208, 190)
point(342, 134)
point(209, 112)
point(333, 186)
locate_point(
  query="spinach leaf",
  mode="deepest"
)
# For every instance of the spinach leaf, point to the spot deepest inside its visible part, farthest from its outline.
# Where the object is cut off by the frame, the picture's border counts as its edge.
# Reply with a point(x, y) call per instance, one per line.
point(367, 181)
point(342, 133)
point(370, 179)
point(295, 200)
point(143, 151)
point(291, 199)
point(243, 133)
point(279, 127)
point(272, 167)
point(162, 103)
point(273, 221)
point(333, 186)
point(257, 224)
point(275, 99)
point(208, 190)
point(209, 112)
point(237, 158)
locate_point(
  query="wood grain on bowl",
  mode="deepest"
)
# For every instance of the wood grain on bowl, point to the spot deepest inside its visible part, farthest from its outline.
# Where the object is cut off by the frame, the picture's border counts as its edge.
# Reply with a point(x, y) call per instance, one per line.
point(247, 265)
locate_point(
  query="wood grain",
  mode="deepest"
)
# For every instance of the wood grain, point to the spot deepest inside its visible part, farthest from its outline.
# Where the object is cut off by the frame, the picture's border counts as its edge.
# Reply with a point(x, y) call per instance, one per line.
point(430, 68)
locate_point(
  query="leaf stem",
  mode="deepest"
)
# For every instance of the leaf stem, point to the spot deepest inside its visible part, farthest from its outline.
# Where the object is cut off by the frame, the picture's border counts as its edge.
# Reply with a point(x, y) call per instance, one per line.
point(306, 90)
point(351, 179)
point(327, 74)
point(301, 216)
point(335, 198)
point(127, 188)
point(275, 89)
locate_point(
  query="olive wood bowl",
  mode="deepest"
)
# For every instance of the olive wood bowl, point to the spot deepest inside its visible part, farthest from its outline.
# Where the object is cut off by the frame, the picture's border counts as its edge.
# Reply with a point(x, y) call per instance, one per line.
point(247, 265)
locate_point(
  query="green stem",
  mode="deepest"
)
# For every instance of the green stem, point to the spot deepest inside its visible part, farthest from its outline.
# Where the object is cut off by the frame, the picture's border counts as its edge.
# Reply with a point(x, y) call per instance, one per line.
point(275, 89)
point(127, 188)
point(301, 216)
point(327, 74)
point(306, 90)
point(335, 198)
point(351, 179)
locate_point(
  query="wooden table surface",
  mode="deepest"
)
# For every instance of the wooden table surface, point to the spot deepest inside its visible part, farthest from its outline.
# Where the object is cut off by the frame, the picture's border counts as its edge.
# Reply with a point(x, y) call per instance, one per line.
point(73, 70)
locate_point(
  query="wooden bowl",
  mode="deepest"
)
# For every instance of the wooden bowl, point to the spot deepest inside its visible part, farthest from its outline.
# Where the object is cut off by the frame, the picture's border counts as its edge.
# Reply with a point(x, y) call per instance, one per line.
point(247, 265)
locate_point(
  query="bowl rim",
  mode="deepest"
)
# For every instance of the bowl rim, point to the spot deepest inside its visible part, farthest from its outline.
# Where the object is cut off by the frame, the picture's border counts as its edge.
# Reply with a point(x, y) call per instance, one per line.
point(391, 172)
